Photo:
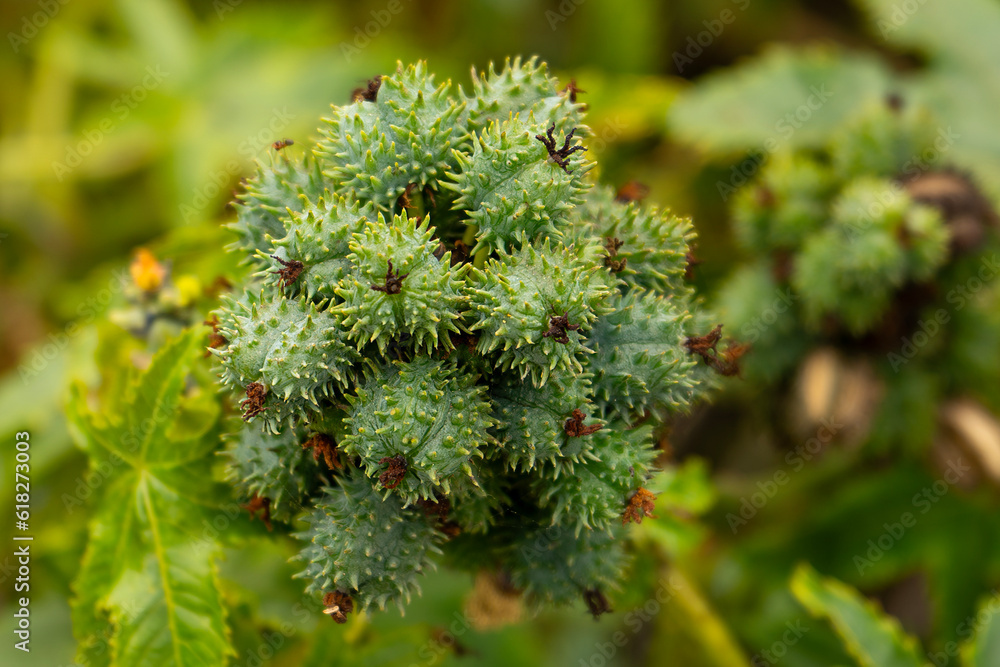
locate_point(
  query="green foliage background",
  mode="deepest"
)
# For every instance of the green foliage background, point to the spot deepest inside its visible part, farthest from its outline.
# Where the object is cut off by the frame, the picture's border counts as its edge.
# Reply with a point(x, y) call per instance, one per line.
point(167, 103)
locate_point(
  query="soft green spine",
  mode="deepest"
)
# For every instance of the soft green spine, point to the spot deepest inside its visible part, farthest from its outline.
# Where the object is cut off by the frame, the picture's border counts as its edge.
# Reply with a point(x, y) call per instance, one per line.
point(431, 300)
point(271, 466)
point(319, 237)
point(878, 240)
point(428, 413)
point(366, 545)
point(374, 150)
point(516, 296)
point(512, 190)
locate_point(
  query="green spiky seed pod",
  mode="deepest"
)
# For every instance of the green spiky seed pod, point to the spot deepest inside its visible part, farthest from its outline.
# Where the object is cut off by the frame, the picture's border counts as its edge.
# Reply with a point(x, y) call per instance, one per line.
point(885, 142)
point(644, 247)
point(520, 89)
point(511, 187)
point(533, 307)
point(593, 495)
point(424, 412)
point(450, 307)
point(788, 203)
point(275, 467)
point(638, 362)
point(531, 420)
point(866, 300)
point(853, 266)
point(424, 305)
point(319, 237)
point(366, 545)
point(268, 197)
point(375, 149)
point(291, 347)
point(554, 566)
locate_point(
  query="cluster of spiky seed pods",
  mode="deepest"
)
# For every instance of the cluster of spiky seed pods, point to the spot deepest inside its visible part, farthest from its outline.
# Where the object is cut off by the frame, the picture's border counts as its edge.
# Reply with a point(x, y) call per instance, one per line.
point(869, 295)
point(456, 345)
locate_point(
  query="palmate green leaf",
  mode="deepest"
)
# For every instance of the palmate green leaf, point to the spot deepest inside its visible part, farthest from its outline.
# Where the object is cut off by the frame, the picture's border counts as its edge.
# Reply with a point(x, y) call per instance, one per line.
point(147, 592)
point(871, 637)
point(784, 99)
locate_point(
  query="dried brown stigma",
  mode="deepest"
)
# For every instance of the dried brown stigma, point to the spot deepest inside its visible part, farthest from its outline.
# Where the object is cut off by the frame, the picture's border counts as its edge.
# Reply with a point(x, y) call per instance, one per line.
point(394, 472)
point(404, 199)
point(338, 605)
point(632, 191)
point(559, 328)
point(215, 340)
point(561, 155)
point(725, 363)
point(728, 362)
point(393, 282)
point(575, 428)
point(639, 506)
point(370, 92)
point(253, 404)
point(701, 345)
point(290, 272)
point(323, 445)
point(611, 245)
point(572, 90)
point(596, 602)
point(262, 505)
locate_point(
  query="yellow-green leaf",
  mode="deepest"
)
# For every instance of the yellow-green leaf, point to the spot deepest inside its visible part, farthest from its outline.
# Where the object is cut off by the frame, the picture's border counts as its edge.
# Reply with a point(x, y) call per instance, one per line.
point(870, 637)
point(147, 592)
